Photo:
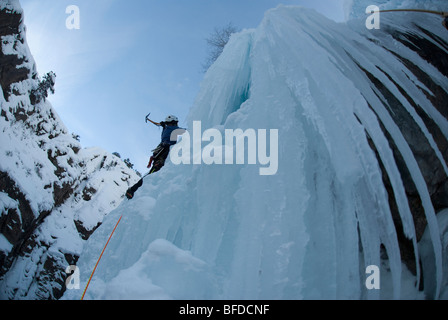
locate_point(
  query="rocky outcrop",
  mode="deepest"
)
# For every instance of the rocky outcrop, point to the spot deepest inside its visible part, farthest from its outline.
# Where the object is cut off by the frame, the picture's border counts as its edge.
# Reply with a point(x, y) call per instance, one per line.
point(431, 48)
point(53, 193)
point(12, 68)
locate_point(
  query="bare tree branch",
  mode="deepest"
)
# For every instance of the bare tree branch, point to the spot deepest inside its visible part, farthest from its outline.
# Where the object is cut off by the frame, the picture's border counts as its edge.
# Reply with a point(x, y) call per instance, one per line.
point(216, 43)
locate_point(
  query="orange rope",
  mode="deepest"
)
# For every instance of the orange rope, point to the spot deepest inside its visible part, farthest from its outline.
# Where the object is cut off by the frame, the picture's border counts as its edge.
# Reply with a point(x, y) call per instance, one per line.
point(110, 237)
point(94, 269)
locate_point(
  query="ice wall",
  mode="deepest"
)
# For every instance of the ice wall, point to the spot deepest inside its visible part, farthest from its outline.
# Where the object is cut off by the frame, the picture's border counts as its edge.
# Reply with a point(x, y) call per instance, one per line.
point(310, 231)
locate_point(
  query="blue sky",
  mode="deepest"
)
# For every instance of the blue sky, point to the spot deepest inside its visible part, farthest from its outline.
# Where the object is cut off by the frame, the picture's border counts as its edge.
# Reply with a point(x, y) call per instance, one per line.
point(133, 57)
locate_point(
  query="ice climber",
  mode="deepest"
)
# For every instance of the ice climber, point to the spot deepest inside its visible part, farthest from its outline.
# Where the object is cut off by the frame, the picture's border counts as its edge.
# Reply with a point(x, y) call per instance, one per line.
point(170, 132)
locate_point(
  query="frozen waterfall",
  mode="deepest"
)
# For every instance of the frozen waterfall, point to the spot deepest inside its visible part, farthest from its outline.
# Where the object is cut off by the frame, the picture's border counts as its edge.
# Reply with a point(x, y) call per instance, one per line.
point(311, 230)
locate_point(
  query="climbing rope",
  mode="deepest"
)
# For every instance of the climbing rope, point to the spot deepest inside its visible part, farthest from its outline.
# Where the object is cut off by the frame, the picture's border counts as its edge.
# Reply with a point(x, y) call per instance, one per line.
point(94, 269)
point(104, 249)
point(443, 14)
point(440, 13)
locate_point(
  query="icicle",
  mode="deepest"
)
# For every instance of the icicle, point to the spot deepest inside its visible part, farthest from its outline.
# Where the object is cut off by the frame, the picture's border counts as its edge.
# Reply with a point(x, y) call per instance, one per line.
point(368, 119)
point(417, 177)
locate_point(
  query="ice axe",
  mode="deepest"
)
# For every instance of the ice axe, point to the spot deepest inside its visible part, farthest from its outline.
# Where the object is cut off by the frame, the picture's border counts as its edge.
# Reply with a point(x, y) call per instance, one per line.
point(147, 119)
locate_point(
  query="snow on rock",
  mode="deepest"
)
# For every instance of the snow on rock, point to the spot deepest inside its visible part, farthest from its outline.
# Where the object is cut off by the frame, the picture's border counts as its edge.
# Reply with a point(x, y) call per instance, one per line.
point(362, 171)
point(11, 5)
point(53, 192)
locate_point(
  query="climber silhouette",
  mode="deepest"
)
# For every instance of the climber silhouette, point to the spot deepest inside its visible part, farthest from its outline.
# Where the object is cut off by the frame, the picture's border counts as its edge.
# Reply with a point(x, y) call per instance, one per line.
point(170, 132)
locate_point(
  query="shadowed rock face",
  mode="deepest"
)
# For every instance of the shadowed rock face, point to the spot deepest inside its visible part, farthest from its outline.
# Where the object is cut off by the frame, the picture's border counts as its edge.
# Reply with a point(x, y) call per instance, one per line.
point(19, 224)
point(10, 70)
point(70, 171)
point(430, 165)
